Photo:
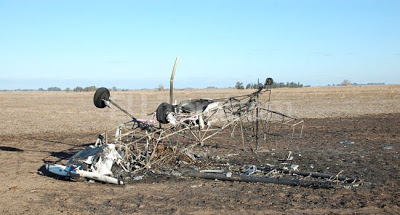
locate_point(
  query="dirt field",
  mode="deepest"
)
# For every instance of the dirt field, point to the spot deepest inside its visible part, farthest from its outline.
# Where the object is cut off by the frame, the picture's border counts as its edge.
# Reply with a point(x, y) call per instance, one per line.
point(39, 127)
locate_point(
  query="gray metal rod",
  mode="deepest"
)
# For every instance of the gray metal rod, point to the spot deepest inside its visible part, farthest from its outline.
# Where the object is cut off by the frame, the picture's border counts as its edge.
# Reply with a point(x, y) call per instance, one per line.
point(246, 178)
point(119, 107)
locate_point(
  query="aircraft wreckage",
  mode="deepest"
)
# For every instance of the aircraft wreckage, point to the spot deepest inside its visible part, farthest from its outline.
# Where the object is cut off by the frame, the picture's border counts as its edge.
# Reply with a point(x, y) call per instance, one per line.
point(172, 143)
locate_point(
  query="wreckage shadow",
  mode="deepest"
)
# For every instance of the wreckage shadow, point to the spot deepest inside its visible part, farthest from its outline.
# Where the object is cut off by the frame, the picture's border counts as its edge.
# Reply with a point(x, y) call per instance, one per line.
point(55, 141)
point(65, 154)
point(10, 149)
point(44, 172)
point(61, 155)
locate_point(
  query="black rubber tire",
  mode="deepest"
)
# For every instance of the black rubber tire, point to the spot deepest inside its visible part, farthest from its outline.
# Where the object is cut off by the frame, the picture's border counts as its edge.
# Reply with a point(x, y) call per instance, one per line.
point(99, 95)
point(162, 112)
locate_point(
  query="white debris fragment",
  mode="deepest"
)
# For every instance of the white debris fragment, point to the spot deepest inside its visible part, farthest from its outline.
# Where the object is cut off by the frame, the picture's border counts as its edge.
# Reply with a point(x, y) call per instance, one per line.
point(196, 186)
point(99, 165)
point(138, 178)
point(171, 119)
point(290, 157)
point(346, 142)
point(294, 167)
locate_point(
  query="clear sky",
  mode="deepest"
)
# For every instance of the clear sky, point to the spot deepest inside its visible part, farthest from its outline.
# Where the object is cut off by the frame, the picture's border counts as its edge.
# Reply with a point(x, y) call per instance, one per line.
point(133, 44)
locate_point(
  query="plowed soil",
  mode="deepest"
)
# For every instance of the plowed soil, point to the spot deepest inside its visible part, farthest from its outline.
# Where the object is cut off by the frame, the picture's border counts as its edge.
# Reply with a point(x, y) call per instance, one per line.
point(50, 127)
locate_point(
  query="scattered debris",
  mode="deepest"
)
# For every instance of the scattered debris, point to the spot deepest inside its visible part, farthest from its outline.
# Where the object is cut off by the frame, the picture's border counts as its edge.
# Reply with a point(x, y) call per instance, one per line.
point(248, 170)
point(346, 142)
point(196, 186)
point(269, 166)
point(326, 180)
point(288, 158)
point(294, 167)
point(387, 147)
point(138, 178)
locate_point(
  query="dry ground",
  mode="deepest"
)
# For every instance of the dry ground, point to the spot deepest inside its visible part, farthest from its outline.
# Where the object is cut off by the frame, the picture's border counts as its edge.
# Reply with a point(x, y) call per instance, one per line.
point(41, 127)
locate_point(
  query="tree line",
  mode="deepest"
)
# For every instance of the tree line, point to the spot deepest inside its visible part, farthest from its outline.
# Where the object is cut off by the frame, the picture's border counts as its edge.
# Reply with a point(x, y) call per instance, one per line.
point(239, 85)
point(76, 89)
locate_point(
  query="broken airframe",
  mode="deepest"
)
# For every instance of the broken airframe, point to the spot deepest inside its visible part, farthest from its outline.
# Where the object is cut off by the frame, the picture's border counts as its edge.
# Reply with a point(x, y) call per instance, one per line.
point(172, 143)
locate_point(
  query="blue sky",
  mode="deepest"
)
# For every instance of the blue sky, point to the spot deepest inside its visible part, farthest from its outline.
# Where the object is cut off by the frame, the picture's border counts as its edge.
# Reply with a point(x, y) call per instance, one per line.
point(133, 44)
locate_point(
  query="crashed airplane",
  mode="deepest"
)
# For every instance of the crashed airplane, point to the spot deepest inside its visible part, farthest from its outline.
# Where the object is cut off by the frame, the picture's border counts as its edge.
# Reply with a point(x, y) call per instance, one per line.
point(173, 138)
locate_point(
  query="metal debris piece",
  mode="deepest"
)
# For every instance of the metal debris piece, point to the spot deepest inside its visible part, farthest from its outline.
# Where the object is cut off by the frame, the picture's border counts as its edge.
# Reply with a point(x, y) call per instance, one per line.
point(294, 167)
point(248, 170)
point(92, 163)
point(387, 147)
point(176, 174)
point(288, 158)
point(293, 182)
point(138, 178)
point(346, 142)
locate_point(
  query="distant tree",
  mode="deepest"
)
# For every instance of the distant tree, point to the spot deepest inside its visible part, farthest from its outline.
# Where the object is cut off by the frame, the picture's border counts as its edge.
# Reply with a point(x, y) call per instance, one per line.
point(114, 89)
point(41, 89)
point(346, 83)
point(239, 85)
point(67, 89)
point(78, 89)
point(274, 85)
point(90, 89)
point(54, 89)
point(160, 87)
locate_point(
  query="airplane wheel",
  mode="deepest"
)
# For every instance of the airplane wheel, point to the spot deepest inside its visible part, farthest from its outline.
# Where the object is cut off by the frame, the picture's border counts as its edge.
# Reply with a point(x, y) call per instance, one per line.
point(99, 95)
point(162, 112)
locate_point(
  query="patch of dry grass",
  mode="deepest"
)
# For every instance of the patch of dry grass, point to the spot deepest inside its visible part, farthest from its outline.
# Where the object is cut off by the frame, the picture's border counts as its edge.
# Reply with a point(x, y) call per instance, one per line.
point(32, 112)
